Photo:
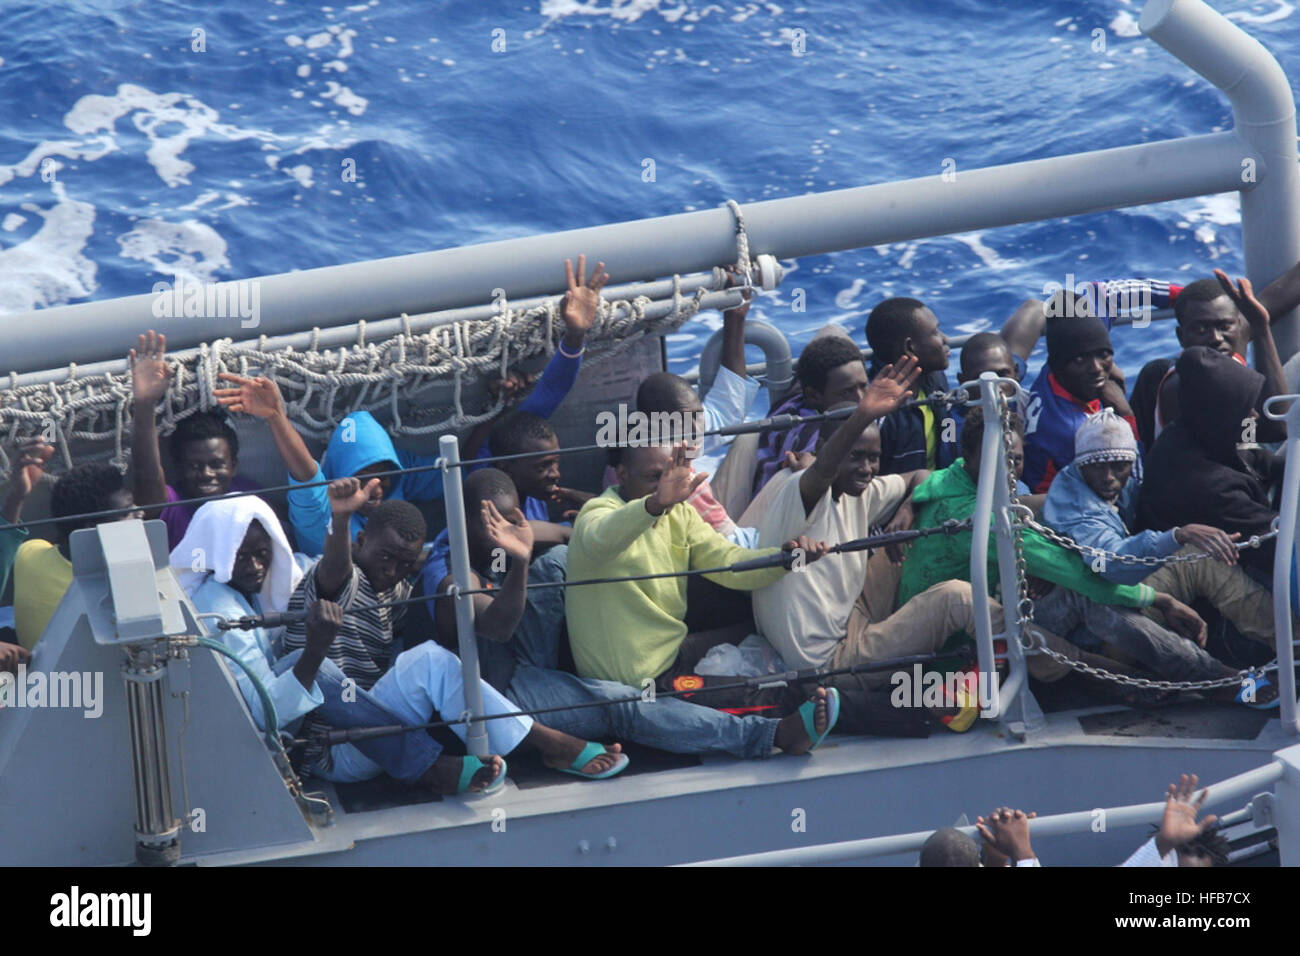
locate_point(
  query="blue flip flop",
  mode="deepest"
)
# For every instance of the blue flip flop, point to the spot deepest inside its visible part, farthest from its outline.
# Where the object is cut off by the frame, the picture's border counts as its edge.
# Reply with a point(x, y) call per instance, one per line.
point(590, 753)
point(808, 713)
point(470, 765)
point(1261, 682)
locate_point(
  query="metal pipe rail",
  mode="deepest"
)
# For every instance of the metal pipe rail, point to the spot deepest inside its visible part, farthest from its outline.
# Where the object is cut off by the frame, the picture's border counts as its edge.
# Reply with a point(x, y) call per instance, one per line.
point(1284, 561)
point(344, 336)
point(1243, 784)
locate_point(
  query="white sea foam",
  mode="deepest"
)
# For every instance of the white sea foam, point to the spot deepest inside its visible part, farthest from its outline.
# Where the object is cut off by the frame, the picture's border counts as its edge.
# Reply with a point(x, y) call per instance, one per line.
point(344, 97)
point(845, 298)
point(629, 11)
point(1281, 11)
point(303, 174)
point(12, 222)
point(975, 242)
point(50, 267)
point(191, 250)
point(1125, 25)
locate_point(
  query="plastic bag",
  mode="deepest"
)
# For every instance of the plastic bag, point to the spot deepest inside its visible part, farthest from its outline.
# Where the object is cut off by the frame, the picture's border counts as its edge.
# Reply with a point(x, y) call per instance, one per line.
point(752, 657)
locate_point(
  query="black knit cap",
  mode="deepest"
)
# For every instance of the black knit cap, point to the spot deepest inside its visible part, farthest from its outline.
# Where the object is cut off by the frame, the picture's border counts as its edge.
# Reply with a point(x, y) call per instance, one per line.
point(1068, 337)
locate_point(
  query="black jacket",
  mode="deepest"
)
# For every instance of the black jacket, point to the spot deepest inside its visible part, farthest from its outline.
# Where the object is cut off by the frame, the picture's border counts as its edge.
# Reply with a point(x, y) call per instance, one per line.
point(902, 433)
point(1195, 471)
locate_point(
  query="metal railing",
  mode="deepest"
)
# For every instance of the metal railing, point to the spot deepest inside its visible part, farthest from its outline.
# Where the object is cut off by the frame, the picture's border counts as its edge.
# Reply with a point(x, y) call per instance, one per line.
point(1249, 783)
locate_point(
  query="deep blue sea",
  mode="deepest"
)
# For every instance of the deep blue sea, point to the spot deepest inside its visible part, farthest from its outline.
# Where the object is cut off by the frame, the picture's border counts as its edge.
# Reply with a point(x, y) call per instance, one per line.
point(218, 154)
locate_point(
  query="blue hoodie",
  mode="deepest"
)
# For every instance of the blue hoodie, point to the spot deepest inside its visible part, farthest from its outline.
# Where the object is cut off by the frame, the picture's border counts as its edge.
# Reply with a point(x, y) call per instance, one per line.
point(1074, 509)
point(358, 442)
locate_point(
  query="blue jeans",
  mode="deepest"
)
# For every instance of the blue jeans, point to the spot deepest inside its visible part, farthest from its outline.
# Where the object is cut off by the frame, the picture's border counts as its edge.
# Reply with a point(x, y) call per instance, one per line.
point(403, 756)
point(666, 723)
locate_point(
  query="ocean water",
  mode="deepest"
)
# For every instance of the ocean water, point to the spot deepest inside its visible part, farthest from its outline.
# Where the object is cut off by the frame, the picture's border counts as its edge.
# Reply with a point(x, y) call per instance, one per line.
point(149, 139)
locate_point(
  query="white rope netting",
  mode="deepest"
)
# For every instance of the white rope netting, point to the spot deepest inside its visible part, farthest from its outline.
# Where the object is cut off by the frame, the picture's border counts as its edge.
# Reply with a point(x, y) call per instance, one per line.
point(321, 387)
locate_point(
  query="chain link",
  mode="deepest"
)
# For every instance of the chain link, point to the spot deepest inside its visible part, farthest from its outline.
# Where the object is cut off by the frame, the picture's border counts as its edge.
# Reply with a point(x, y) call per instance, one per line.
point(1232, 680)
point(1145, 561)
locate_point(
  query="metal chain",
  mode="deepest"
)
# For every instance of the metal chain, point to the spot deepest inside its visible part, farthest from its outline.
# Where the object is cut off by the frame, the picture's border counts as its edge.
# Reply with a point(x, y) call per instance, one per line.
point(1032, 642)
point(1233, 680)
point(1024, 603)
point(1131, 559)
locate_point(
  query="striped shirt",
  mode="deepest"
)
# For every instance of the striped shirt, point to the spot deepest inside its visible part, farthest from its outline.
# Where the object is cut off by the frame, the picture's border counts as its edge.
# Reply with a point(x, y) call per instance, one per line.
point(363, 649)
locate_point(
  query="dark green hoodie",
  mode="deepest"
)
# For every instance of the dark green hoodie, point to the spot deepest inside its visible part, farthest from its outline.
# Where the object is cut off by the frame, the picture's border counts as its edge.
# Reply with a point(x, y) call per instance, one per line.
point(950, 493)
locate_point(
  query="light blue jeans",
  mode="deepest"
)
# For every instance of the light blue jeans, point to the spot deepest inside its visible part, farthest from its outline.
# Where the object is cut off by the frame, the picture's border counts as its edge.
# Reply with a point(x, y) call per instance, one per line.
point(667, 723)
point(403, 756)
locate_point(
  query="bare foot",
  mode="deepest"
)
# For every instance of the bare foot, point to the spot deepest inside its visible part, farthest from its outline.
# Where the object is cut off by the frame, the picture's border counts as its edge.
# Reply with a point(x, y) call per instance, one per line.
point(791, 736)
point(559, 750)
point(444, 776)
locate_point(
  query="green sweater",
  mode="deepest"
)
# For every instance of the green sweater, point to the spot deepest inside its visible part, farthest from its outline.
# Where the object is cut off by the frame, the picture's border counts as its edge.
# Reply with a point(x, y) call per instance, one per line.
point(631, 630)
point(950, 493)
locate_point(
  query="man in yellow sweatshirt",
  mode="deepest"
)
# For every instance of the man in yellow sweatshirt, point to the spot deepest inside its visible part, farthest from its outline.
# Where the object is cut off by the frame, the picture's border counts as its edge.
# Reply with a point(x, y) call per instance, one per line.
point(633, 631)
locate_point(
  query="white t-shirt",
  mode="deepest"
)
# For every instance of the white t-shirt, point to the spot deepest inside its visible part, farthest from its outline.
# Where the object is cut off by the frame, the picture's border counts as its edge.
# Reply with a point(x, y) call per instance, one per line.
point(805, 614)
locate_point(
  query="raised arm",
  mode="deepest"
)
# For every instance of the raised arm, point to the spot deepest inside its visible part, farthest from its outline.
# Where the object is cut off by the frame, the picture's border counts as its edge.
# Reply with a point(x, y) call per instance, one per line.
point(261, 398)
point(149, 378)
point(1025, 327)
point(733, 333)
point(579, 312)
point(346, 495)
point(1267, 362)
point(498, 617)
point(886, 393)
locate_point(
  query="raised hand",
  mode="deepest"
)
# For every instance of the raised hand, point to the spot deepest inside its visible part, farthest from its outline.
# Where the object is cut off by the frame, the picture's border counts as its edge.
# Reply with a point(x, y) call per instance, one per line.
point(149, 370)
point(512, 534)
point(33, 453)
point(347, 495)
point(324, 618)
point(580, 302)
point(514, 383)
point(1243, 297)
point(1007, 831)
point(890, 388)
point(1179, 826)
point(734, 278)
point(676, 484)
point(259, 397)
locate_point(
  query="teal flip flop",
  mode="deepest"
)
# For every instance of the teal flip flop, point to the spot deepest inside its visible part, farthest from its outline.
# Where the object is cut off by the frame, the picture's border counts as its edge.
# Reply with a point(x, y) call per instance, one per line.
point(470, 765)
point(808, 713)
point(590, 753)
point(1260, 683)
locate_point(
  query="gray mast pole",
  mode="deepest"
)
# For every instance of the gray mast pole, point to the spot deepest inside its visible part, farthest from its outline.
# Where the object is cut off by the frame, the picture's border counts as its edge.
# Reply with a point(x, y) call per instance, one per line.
point(453, 493)
point(1264, 117)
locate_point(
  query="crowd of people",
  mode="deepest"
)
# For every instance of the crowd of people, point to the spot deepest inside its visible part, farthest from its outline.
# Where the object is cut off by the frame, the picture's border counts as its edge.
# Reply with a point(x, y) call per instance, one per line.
point(1179, 467)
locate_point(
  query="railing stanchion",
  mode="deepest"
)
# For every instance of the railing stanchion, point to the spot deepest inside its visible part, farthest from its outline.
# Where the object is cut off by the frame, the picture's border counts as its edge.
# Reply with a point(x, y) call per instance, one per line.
point(1283, 563)
point(990, 454)
point(476, 740)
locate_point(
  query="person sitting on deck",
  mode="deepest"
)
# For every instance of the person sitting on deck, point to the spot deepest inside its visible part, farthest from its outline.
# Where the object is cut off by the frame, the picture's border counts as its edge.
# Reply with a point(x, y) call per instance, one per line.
point(42, 570)
point(29, 465)
point(235, 561)
point(1094, 502)
point(426, 680)
point(519, 637)
point(634, 631)
point(537, 477)
point(1215, 314)
point(1074, 596)
point(925, 436)
point(204, 448)
point(1207, 467)
point(1080, 379)
point(829, 372)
